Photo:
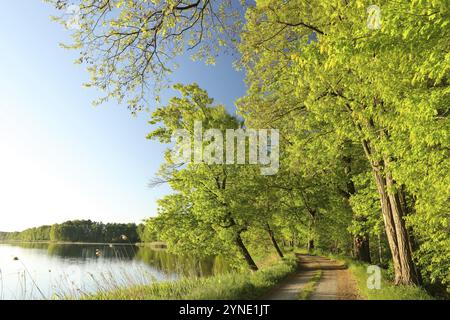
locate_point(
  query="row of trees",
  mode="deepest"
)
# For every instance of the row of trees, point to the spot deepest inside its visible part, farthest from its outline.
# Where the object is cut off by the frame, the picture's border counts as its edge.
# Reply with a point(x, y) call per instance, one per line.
point(78, 231)
point(373, 104)
point(32, 234)
point(232, 208)
point(363, 115)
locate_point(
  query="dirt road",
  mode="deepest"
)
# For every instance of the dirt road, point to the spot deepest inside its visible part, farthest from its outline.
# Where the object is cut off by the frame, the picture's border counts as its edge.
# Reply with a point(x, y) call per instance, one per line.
point(336, 282)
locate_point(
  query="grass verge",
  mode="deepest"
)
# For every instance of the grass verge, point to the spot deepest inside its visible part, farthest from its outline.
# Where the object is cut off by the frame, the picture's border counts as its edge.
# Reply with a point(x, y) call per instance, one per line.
point(231, 286)
point(387, 290)
point(310, 287)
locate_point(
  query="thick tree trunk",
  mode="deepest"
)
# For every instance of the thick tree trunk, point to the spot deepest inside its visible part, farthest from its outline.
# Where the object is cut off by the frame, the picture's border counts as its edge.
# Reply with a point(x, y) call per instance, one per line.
point(409, 272)
point(393, 217)
point(388, 223)
point(274, 241)
point(397, 235)
point(362, 248)
point(414, 245)
point(243, 249)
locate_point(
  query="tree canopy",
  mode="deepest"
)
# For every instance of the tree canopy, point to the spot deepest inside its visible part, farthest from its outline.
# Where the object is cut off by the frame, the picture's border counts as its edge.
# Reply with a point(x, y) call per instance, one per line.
point(362, 110)
point(129, 46)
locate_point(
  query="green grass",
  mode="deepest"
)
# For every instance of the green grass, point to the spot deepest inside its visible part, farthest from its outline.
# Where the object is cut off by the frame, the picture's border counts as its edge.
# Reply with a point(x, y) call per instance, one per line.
point(231, 286)
point(310, 287)
point(387, 291)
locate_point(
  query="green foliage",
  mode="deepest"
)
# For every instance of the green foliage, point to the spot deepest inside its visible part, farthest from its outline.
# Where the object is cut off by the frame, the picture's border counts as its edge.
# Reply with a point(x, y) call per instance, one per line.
point(88, 231)
point(32, 234)
point(145, 234)
point(210, 208)
point(183, 231)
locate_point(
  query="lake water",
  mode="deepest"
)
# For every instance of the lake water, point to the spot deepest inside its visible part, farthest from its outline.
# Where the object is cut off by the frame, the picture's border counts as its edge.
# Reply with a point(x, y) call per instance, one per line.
point(52, 271)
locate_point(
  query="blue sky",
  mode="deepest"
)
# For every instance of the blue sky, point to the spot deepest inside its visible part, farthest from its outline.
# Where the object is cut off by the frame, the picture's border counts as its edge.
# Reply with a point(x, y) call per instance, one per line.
point(60, 157)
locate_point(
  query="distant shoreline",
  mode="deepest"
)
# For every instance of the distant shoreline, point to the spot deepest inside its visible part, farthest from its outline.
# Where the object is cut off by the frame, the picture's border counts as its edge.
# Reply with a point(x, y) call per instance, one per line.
point(139, 244)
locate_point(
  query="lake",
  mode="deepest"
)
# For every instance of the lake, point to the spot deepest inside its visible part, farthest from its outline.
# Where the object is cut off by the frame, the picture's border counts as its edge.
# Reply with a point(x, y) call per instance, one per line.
point(55, 271)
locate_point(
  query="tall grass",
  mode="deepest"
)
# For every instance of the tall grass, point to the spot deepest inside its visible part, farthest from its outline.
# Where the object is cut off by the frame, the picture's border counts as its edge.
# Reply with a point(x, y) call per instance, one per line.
point(230, 286)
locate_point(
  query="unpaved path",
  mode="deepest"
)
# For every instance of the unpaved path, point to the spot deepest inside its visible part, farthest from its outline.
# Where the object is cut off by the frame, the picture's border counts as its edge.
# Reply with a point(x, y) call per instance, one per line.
point(336, 282)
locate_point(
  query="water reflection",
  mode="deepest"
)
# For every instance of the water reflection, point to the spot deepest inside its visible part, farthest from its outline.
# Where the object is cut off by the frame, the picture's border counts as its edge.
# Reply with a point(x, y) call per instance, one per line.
point(86, 252)
point(59, 268)
point(183, 265)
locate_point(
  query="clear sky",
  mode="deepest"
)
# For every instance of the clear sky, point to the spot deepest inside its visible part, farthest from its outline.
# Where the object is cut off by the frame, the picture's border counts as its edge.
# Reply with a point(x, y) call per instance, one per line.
point(60, 157)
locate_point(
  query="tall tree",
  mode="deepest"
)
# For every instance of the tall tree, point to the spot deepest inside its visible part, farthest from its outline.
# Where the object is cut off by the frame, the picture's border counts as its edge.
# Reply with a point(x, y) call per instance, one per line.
point(217, 191)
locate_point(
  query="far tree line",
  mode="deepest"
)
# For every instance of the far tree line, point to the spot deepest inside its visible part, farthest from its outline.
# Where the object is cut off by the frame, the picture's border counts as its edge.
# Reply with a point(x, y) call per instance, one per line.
point(82, 231)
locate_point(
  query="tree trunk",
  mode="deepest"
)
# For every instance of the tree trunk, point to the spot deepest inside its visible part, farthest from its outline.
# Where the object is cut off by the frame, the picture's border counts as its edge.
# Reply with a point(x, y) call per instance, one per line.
point(393, 217)
point(362, 248)
point(311, 237)
point(312, 222)
point(311, 244)
point(274, 241)
point(312, 225)
point(409, 272)
point(388, 223)
point(397, 235)
point(414, 245)
point(380, 250)
point(243, 249)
